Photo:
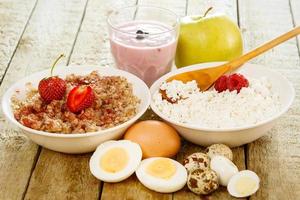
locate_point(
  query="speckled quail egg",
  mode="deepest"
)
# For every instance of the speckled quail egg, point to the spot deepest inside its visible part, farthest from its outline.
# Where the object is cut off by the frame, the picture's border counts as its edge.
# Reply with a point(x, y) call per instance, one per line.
point(224, 168)
point(243, 184)
point(203, 181)
point(114, 161)
point(162, 174)
point(196, 161)
point(219, 149)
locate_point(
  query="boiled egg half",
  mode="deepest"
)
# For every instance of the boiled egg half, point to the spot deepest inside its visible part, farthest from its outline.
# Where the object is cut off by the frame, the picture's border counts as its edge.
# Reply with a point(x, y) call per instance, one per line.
point(243, 184)
point(162, 174)
point(114, 161)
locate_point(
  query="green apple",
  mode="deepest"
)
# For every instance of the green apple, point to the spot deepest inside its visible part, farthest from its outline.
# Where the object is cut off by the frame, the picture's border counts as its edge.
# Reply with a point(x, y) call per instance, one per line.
point(206, 39)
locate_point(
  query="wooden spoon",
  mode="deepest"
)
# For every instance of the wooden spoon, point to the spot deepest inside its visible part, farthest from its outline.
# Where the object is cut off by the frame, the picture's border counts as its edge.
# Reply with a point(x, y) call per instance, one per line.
point(205, 78)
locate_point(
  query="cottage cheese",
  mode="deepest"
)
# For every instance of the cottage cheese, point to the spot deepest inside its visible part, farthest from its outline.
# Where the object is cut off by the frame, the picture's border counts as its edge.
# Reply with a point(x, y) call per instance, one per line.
point(218, 110)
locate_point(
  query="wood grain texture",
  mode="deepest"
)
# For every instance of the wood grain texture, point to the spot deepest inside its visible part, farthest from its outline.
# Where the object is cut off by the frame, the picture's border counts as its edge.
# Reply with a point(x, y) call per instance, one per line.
point(295, 9)
point(14, 15)
point(17, 156)
point(196, 7)
point(275, 157)
point(50, 31)
point(177, 6)
point(62, 176)
point(130, 188)
point(92, 45)
point(17, 153)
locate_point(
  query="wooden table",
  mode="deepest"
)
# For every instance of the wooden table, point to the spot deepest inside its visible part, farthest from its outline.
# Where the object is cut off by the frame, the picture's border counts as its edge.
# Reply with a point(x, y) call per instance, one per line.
point(34, 32)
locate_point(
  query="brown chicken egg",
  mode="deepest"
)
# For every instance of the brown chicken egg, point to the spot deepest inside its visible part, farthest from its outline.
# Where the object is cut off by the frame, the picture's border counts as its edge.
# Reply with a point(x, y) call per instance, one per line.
point(157, 139)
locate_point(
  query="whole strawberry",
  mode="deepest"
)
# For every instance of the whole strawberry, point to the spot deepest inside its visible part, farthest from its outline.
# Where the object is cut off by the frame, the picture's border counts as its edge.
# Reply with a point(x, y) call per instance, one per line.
point(80, 98)
point(53, 87)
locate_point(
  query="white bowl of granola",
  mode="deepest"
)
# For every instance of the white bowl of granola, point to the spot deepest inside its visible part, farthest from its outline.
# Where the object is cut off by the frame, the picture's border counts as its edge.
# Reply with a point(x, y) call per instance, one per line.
point(229, 117)
point(120, 99)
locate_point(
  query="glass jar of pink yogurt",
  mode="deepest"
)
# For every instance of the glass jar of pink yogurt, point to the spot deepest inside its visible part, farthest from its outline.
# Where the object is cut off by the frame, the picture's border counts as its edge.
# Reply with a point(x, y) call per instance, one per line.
point(143, 40)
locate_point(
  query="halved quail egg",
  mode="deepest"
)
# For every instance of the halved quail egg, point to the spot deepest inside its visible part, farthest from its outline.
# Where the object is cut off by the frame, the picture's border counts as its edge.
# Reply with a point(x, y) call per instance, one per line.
point(162, 174)
point(114, 161)
point(224, 168)
point(243, 184)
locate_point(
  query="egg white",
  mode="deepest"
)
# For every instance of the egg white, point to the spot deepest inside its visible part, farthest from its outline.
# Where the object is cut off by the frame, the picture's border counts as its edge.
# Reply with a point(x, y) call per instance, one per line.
point(174, 183)
point(224, 168)
point(244, 173)
point(134, 153)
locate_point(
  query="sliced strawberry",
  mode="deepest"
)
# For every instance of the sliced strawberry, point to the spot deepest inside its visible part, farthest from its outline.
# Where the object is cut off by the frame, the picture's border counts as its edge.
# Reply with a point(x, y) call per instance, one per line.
point(221, 84)
point(236, 82)
point(52, 88)
point(80, 98)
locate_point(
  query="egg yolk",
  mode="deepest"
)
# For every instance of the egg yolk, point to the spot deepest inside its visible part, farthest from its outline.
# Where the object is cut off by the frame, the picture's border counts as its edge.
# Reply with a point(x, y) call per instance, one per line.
point(114, 160)
point(245, 185)
point(161, 168)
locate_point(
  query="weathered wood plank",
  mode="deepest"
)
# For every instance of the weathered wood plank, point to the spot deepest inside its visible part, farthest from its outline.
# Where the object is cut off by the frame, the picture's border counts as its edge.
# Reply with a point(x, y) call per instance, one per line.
point(197, 7)
point(62, 176)
point(17, 153)
point(17, 156)
point(14, 15)
point(92, 45)
point(130, 188)
point(295, 9)
point(275, 157)
point(51, 31)
point(177, 6)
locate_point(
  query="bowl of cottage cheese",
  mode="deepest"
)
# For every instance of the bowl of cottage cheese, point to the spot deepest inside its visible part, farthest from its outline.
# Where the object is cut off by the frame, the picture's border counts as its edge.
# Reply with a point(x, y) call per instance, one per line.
point(230, 117)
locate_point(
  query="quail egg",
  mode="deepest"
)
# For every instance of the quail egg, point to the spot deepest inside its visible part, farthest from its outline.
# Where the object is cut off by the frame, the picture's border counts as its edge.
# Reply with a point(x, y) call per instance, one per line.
point(114, 161)
point(162, 174)
point(224, 168)
point(196, 161)
point(219, 149)
point(243, 184)
point(203, 181)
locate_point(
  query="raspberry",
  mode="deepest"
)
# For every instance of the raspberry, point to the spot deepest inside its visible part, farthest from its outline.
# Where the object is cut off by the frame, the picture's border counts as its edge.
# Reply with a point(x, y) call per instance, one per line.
point(221, 84)
point(236, 82)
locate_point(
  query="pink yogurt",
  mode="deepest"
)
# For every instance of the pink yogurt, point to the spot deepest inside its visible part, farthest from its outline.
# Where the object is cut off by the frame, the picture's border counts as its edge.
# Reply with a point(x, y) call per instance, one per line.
point(148, 56)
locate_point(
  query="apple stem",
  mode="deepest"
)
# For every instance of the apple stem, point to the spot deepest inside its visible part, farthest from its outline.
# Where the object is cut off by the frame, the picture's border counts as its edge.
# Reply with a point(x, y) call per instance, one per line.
point(207, 11)
point(57, 59)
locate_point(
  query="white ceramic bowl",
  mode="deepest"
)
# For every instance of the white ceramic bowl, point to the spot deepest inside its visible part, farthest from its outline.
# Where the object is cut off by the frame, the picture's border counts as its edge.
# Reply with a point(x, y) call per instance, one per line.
point(76, 143)
point(231, 136)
